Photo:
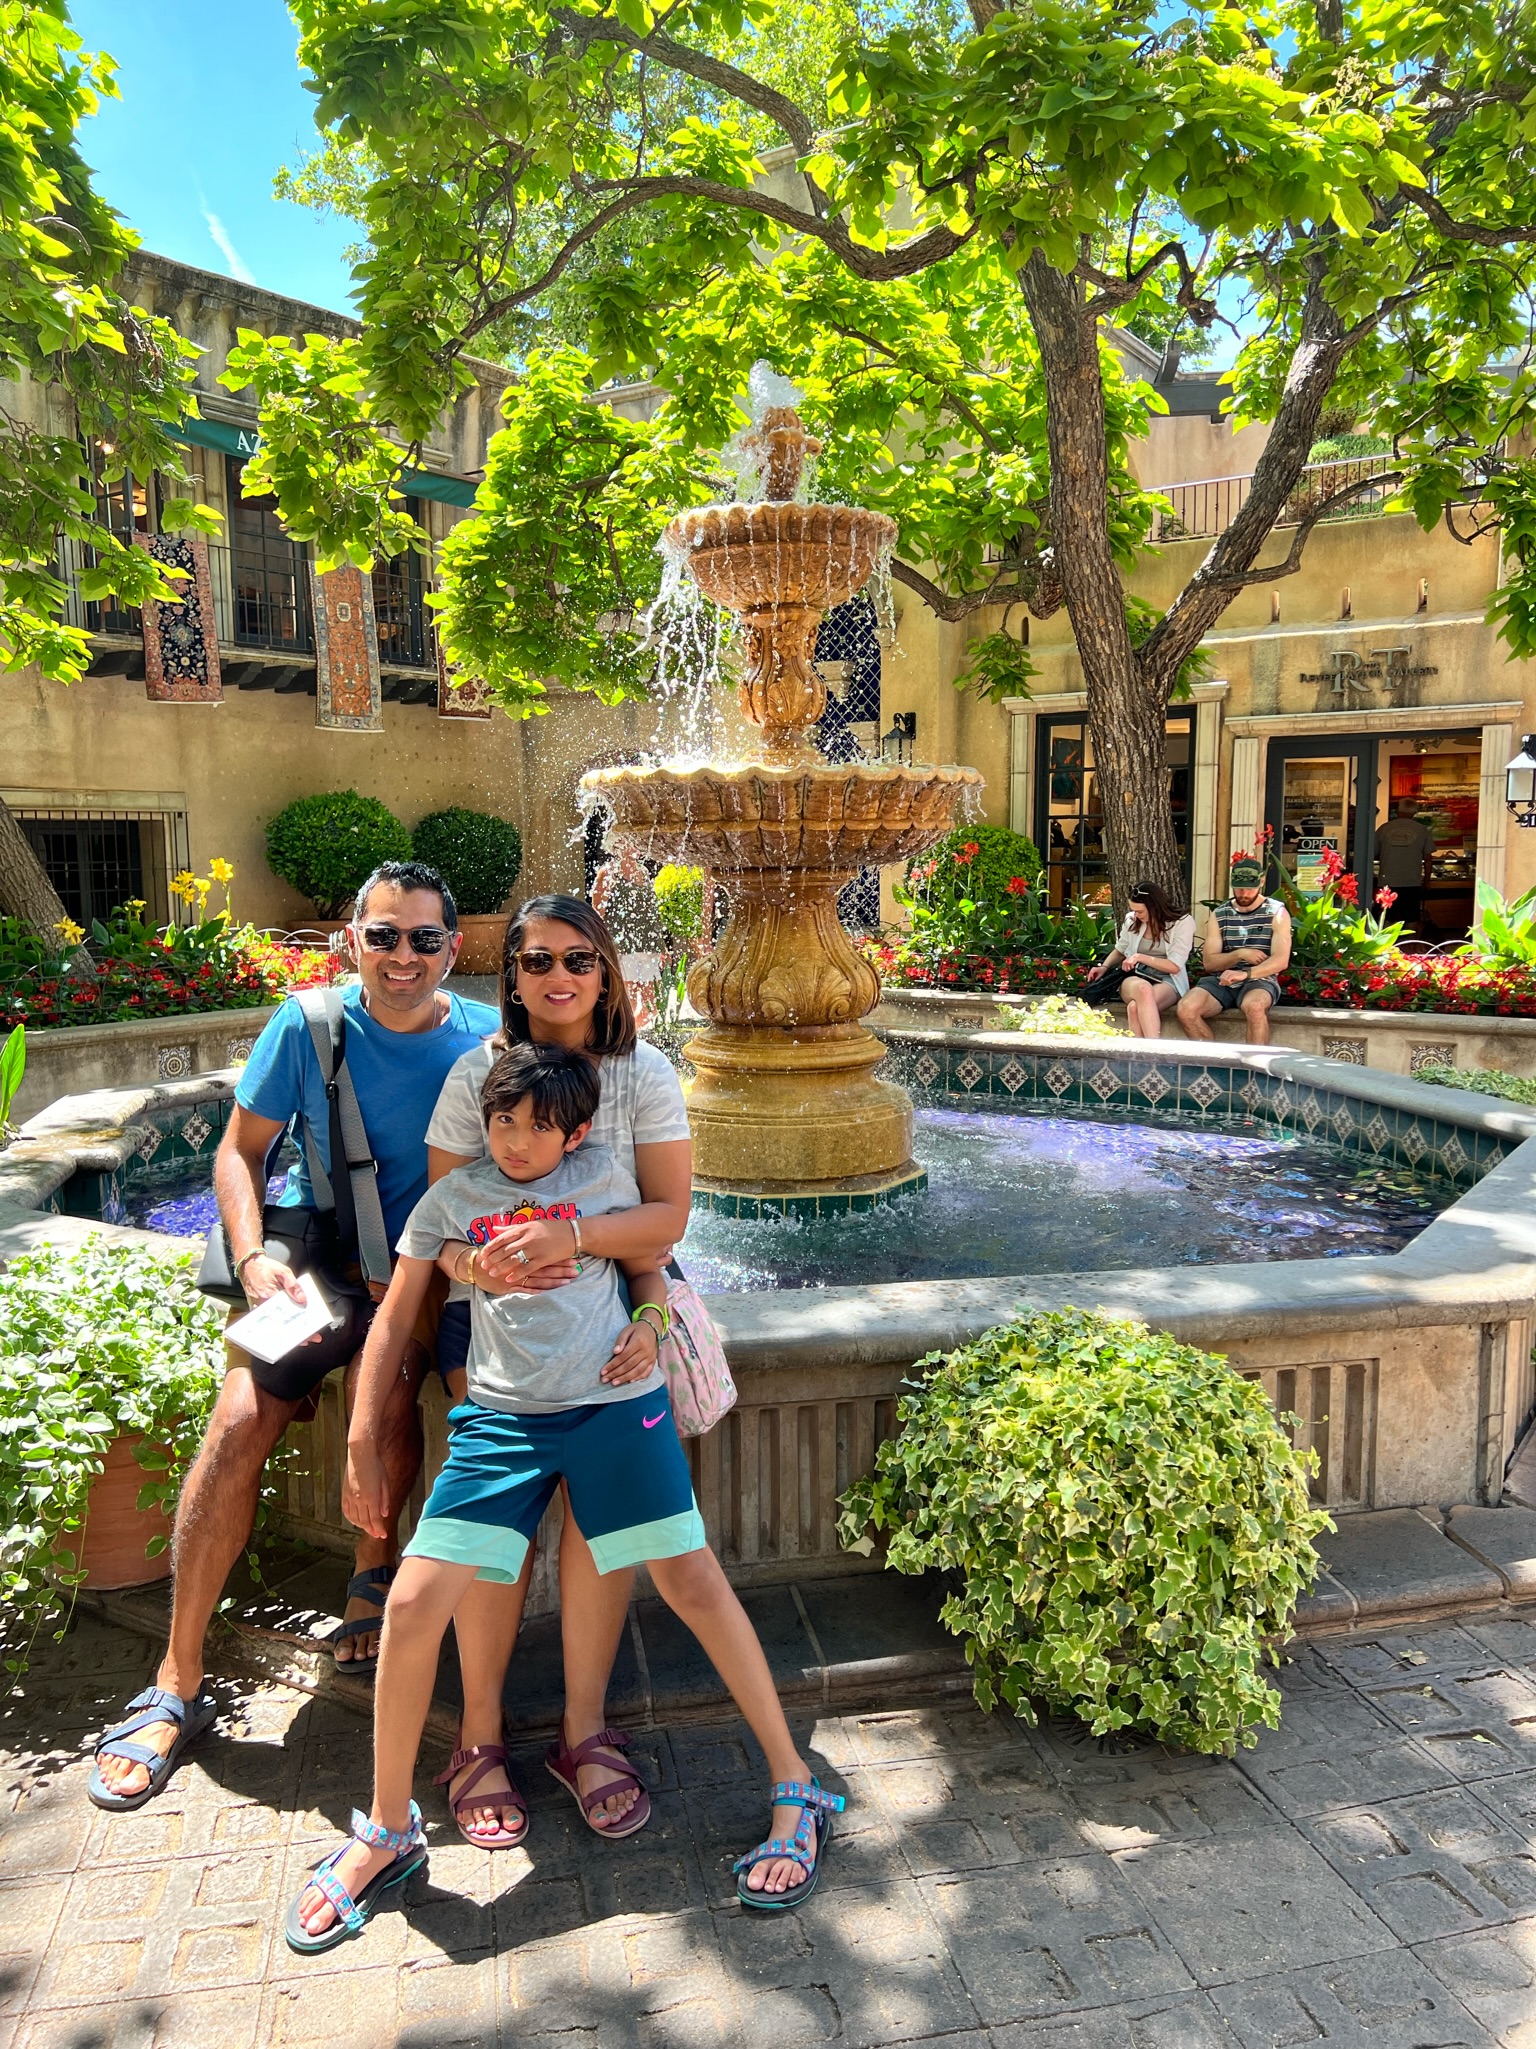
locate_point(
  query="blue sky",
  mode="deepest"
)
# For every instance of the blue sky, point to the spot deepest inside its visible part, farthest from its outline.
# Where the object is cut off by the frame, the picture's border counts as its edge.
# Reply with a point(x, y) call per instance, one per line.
point(211, 105)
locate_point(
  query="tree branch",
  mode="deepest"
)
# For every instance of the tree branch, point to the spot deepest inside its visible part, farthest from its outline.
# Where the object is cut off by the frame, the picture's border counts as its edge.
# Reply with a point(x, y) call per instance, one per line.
point(1303, 534)
point(877, 266)
point(738, 85)
point(938, 600)
point(1462, 231)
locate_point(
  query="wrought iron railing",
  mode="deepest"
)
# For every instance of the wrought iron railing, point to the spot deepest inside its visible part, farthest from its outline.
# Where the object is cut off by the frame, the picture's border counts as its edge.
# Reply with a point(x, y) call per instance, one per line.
point(1201, 510)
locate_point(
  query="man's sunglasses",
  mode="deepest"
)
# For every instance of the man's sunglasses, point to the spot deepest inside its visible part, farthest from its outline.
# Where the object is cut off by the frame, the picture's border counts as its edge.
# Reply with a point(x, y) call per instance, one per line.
point(579, 961)
point(423, 939)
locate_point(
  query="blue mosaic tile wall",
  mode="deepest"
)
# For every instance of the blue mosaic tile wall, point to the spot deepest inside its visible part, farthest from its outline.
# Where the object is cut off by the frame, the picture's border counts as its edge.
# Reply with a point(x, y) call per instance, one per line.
point(1180, 1085)
point(165, 1145)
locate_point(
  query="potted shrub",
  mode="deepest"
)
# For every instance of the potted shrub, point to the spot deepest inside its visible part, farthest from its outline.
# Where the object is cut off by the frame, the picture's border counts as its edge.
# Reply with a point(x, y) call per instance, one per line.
point(479, 857)
point(110, 1362)
point(326, 846)
point(1130, 1524)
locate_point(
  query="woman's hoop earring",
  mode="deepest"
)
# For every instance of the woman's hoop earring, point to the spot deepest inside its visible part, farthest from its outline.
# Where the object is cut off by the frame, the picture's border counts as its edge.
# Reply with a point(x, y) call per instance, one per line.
point(514, 998)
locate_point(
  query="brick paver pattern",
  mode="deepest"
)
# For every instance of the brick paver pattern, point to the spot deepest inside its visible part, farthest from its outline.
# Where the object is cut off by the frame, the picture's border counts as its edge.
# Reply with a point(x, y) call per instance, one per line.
point(1365, 1878)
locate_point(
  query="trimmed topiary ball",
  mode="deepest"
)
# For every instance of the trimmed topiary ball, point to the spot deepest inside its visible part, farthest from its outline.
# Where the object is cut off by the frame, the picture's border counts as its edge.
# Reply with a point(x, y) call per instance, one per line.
point(328, 845)
point(1132, 1525)
point(478, 856)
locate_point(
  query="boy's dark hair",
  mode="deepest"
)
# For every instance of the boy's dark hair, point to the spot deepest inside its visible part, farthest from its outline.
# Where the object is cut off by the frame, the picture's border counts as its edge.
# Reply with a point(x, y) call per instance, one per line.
point(561, 1083)
point(408, 875)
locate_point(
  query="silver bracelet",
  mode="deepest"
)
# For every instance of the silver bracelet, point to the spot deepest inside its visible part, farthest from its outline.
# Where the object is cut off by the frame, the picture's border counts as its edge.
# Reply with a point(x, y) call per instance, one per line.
point(575, 1224)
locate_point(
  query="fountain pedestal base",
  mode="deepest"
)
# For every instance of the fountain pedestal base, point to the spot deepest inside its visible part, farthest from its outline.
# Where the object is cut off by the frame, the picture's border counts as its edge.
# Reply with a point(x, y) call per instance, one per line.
point(791, 1119)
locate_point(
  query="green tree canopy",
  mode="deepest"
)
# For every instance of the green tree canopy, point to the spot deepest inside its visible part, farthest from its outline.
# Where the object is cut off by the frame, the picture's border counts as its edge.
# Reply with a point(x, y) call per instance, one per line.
point(1000, 186)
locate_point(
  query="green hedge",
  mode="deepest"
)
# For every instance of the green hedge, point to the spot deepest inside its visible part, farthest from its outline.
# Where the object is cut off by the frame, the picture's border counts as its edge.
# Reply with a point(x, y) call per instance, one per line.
point(328, 845)
point(478, 856)
point(1131, 1524)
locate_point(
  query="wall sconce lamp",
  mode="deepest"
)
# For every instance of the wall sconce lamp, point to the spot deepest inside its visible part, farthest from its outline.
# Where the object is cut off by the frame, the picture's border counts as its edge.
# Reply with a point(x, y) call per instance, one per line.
point(897, 744)
point(1520, 783)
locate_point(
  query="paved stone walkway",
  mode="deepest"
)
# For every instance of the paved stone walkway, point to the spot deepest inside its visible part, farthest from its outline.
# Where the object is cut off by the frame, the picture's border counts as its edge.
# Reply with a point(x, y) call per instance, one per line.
point(1365, 1878)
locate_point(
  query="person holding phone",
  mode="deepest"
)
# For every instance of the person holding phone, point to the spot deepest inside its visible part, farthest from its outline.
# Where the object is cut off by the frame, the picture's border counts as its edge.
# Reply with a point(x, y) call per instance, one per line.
point(1153, 945)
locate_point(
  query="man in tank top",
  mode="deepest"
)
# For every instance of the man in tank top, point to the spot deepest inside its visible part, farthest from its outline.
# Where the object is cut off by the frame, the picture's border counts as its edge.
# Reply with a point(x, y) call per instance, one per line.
point(1247, 944)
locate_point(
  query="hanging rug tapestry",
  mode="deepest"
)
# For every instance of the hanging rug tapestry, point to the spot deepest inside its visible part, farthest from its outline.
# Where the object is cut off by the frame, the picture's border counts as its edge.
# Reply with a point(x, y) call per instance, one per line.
point(459, 698)
point(348, 693)
point(181, 640)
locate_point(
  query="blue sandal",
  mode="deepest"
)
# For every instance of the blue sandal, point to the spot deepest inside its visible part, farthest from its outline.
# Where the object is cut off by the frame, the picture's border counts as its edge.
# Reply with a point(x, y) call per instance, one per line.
point(811, 1801)
point(370, 1585)
point(154, 1704)
point(352, 1915)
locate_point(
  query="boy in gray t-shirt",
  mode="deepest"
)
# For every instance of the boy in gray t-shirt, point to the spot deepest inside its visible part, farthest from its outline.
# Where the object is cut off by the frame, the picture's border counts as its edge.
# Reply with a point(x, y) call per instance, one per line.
point(532, 1353)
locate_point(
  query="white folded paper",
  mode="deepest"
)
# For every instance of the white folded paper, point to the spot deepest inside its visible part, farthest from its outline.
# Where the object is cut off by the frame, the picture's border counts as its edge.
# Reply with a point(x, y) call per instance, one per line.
point(271, 1331)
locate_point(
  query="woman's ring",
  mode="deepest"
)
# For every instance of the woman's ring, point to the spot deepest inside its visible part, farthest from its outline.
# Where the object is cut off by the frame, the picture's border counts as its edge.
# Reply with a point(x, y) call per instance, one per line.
point(523, 1257)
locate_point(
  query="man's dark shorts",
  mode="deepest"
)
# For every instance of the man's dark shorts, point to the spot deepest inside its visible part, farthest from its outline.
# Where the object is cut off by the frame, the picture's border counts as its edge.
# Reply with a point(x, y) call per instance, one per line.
point(296, 1377)
point(1230, 994)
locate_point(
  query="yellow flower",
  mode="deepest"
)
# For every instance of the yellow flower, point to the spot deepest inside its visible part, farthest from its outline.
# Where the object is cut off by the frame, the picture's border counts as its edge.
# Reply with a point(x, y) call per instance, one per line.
point(69, 931)
point(221, 871)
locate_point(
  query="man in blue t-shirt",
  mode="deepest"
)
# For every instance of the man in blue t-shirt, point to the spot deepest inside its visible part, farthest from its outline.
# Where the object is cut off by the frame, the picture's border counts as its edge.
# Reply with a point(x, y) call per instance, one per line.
point(403, 1033)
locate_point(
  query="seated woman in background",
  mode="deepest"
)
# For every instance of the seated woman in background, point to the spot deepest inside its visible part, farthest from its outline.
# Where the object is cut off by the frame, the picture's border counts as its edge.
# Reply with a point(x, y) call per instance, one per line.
point(1154, 944)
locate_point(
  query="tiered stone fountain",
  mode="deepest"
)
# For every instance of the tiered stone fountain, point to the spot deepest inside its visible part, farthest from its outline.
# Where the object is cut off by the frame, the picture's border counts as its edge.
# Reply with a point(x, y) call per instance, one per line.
point(786, 1109)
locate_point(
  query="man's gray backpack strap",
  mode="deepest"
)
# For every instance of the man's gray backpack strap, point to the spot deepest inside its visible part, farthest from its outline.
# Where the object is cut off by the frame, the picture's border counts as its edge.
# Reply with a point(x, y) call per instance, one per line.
point(323, 1014)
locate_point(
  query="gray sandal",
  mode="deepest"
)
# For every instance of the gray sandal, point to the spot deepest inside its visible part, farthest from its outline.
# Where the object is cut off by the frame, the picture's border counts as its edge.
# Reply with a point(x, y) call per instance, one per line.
point(154, 1704)
point(373, 1584)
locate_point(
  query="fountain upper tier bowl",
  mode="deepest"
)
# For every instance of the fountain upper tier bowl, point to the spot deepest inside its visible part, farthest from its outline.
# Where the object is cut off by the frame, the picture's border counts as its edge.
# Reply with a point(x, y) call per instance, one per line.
point(767, 556)
point(738, 819)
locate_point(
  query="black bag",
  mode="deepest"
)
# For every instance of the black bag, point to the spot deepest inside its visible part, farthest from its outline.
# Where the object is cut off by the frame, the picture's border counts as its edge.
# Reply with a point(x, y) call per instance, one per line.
point(341, 1238)
point(1102, 990)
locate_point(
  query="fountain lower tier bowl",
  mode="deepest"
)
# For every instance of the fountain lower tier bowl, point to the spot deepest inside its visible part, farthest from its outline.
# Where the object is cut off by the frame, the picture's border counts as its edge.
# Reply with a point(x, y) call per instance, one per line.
point(759, 817)
point(775, 554)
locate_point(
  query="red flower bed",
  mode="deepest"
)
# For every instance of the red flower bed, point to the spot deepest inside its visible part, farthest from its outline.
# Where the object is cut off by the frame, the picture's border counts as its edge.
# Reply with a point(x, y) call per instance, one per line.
point(1454, 985)
point(118, 991)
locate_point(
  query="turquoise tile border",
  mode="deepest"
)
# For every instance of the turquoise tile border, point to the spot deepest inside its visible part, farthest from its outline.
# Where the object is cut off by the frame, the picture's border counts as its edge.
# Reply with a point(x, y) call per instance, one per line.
point(1099, 1077)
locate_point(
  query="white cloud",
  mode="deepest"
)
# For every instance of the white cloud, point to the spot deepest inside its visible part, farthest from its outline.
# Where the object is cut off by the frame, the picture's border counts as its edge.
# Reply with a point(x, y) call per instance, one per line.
point(219, 234)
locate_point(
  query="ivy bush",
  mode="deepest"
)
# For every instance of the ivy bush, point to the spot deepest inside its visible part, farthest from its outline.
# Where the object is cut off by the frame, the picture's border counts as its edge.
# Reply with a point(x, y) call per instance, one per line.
point(1065, 1014)
point(477, 855)
point(1486, 1081)
point(104, 1341)
point(1131, 1524)
point(326, 846)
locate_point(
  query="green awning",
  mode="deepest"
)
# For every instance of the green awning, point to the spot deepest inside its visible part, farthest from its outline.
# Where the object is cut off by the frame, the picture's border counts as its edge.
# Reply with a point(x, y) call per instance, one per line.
point(244, 441)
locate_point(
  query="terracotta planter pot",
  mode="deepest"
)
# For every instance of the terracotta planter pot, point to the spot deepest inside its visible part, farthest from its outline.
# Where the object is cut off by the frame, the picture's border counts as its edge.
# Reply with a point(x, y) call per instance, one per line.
point(484, 937)
point(112, 1541)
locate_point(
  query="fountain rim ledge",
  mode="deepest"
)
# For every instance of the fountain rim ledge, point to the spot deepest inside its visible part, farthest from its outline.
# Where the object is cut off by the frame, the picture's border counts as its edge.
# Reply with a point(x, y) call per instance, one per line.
point(1474, 1262)
point(923, 774)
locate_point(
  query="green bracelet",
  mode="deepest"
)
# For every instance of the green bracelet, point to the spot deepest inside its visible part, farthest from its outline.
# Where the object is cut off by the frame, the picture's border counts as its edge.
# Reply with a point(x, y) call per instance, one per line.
point(661, 1310)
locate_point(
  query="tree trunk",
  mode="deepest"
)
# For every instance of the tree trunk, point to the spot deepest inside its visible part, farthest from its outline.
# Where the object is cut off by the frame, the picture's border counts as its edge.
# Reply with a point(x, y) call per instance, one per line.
point(25, 891)
point(1127, 713)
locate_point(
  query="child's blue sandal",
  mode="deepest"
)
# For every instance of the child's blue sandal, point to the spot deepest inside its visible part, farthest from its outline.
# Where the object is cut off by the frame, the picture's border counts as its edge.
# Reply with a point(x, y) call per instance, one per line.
point(815, 1807)
point(409, 1846)
point(154, 1704)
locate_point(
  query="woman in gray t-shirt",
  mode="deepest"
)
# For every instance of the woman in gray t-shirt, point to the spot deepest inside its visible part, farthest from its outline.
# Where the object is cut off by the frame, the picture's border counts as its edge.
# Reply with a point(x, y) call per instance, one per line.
point(550, 995)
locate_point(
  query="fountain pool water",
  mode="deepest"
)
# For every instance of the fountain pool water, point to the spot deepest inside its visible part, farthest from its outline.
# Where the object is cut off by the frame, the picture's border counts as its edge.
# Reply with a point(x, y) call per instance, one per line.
point(1030, 1189)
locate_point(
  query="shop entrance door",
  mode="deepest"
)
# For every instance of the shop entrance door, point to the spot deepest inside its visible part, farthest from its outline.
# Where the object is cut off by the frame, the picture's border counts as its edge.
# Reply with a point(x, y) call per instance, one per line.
point(1322, 798)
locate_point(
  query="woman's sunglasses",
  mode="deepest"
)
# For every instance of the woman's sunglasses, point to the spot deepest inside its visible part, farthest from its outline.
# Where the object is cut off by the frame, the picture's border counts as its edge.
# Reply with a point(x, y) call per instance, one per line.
point(423, 939)
point(579, 961)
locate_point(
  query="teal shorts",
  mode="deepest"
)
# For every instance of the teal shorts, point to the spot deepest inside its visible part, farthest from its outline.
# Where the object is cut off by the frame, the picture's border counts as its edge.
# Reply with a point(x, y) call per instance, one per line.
point(630, 1488)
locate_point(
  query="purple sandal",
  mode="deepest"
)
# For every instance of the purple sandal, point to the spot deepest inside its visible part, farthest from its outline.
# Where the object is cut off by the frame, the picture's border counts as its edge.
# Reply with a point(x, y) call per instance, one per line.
point(484, 1757)
point(564, 1764)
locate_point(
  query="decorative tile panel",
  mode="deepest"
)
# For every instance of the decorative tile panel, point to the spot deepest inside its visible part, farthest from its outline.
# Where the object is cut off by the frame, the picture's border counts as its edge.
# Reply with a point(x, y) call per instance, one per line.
point(927, 1071)
point(1280, 1105)
point(1308, 1114)
point(1104, 1081)
point(1344, 1123)
point(173, 1063)
point(1453, 1156)
point(1350, 1050)
point(1154, 1085)
point(1012, 1077)
point(196, 1131)
point(1431, 1053)
point(1377, 1135)
point(970, 1072)
point(238, 1051)
point(1204, 1090)
point(1252, 1094)
point(151, 1138)
point(1414, 1143)
point(1058, 1079)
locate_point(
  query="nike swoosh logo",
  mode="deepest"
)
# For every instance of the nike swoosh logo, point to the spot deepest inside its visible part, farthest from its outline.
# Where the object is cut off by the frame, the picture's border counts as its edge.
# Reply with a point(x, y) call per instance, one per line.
point(650, 1422)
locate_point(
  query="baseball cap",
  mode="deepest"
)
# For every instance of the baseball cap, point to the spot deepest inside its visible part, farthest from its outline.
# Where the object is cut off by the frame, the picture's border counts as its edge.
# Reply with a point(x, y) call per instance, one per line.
point(1247, 874)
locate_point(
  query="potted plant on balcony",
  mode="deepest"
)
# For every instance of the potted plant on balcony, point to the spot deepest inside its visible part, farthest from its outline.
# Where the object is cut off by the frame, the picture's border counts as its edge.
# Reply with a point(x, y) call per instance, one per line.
point(479, 857)
point(110, 1361)
point(326, 846)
